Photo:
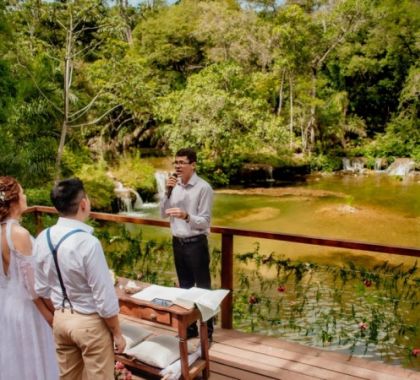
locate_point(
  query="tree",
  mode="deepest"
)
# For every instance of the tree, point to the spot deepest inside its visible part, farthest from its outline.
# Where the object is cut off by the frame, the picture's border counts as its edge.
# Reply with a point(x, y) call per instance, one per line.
point(373, 65)
point(223, 115)
point(231, 34)
point(76, 31)
point(166, 40)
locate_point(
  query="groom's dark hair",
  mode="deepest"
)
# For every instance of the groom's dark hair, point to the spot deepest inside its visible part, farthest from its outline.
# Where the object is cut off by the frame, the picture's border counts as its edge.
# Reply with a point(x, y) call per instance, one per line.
point(66, 196)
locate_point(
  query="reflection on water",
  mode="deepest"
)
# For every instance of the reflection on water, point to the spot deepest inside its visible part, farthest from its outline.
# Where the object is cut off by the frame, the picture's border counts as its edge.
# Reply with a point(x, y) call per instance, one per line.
point(368, 208)
point(376, 209)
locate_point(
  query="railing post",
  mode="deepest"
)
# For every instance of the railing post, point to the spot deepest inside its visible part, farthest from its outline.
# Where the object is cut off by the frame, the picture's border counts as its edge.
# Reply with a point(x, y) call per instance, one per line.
point(227, 279)
point(39, 225)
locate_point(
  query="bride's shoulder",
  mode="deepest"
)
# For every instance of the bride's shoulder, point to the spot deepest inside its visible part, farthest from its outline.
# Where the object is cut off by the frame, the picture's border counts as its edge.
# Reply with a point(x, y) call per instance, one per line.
point(21, 240)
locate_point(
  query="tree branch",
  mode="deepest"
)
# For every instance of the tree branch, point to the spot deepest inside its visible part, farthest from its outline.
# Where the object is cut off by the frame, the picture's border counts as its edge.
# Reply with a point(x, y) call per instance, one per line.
point(124, 122)
point(79, 113)
point(96, 120)
point(39, 89)
point(87, 49)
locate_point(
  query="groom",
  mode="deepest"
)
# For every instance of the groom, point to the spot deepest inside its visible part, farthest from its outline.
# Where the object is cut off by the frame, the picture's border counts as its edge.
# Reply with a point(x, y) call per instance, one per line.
point(71, 271)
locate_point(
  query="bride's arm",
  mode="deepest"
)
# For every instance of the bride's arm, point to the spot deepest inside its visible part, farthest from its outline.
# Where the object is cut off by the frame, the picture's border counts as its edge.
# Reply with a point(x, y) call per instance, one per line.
point(44, 310)
point(23, 244)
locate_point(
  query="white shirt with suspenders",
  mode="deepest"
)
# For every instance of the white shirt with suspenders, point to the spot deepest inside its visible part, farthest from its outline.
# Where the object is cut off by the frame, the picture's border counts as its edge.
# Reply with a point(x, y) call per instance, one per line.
point(83, 268)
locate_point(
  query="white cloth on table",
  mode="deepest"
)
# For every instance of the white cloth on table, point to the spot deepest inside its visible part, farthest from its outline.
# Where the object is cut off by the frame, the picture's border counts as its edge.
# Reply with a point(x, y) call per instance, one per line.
point(27, 348)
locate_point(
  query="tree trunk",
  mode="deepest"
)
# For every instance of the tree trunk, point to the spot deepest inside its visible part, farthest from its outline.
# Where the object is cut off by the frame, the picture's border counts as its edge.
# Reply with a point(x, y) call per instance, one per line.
point(124, 16)
point(67, 85)
point(291, 123)
point(311, 123)
point(283, 74)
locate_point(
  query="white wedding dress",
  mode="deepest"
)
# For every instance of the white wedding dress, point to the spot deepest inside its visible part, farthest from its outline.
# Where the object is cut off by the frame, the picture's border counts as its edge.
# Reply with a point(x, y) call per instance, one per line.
point(27, 348)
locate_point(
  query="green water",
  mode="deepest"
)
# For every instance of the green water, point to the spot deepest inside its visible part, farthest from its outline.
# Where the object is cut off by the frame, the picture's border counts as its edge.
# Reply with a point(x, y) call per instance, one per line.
point(375, 209)
point(395, 205)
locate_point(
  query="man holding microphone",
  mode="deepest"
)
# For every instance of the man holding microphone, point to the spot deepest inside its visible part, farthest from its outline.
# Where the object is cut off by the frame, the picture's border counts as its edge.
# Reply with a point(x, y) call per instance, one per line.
point(188, 202)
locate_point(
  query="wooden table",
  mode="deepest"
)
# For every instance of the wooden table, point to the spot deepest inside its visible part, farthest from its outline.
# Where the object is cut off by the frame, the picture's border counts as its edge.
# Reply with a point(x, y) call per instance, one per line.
point(173, 316)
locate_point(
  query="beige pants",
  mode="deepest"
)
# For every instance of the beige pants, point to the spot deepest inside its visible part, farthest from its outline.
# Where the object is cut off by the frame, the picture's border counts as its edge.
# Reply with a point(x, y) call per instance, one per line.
point(84, 346)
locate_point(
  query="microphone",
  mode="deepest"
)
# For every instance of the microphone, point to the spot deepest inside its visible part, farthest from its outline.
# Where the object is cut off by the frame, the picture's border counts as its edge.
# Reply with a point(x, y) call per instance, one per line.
point(170, 188)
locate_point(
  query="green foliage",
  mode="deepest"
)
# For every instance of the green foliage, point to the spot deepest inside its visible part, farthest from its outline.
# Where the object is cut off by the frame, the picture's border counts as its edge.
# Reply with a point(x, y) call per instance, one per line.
point(98, 185)
point(167, 40)
point(39, 197)
point(136, 174)
point(325, 163)
point(130, 255)
point(351, 306)
point(376, 60)
point(7, 89)
point(74, 159)
point(235, 83)
point(222, 116)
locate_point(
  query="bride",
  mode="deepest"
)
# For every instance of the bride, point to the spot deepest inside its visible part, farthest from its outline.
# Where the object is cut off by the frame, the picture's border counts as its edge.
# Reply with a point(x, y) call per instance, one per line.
point(26, 343)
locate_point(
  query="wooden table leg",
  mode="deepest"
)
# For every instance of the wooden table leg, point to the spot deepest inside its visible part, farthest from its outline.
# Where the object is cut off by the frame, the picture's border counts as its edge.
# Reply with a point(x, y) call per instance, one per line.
point(183, 350)
point(204, 340)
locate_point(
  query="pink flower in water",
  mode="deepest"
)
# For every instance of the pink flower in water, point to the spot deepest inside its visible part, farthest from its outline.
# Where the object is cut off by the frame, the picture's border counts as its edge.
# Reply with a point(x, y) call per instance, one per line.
point(252, 300)
point(415, 352)
point(119, 365)
point(367, 283)
point(363, 326)
point(281, 288)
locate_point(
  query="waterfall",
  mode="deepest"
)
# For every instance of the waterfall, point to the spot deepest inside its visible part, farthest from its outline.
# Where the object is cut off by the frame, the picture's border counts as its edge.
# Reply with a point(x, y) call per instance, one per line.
point(161, 178)
point(346, 164)
point(378, 165)
point(131, 200)
point(355, 165)
point(125, 194)
point(138, 203)
point(401, 167)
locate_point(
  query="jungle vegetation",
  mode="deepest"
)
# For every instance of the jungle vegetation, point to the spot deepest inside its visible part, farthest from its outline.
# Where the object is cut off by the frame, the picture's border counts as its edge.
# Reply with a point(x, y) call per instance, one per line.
point(86, 86)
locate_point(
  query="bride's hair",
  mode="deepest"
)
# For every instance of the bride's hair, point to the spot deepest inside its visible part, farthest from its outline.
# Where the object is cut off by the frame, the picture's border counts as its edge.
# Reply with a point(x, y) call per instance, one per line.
point(9, 194)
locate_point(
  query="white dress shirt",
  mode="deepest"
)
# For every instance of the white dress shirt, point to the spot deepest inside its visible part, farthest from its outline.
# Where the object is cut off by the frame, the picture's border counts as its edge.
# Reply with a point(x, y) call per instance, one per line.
point(196, 198)
point(83, 267)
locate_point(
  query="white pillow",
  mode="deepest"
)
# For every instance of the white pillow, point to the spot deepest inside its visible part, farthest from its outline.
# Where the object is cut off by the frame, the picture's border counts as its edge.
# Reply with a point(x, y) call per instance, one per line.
point(158, 351)
point(133, 334)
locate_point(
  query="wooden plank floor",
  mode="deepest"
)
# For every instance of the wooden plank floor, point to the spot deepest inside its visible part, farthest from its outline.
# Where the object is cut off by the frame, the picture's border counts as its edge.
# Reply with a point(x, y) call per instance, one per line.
point(242, 356)
point(236, 355)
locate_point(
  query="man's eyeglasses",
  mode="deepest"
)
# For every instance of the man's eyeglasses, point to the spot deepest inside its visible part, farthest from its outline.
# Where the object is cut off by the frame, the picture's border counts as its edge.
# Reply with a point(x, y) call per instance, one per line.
point(180, 163)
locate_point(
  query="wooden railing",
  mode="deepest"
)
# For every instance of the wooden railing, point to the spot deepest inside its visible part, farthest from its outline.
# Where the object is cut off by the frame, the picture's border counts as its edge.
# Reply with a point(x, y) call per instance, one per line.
point(227, 246)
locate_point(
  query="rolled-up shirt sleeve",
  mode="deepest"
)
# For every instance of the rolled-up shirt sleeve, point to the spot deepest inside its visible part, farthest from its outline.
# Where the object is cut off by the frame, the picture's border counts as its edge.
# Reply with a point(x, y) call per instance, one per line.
point(100, 282)
point(201, 219)
point(41, 285)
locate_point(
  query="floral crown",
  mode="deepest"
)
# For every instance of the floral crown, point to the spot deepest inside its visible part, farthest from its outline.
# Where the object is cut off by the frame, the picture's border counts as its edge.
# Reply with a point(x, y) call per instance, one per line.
point(2, 196)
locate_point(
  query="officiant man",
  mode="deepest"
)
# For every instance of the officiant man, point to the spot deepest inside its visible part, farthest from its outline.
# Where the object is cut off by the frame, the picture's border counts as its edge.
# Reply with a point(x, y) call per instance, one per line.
point(188, 202)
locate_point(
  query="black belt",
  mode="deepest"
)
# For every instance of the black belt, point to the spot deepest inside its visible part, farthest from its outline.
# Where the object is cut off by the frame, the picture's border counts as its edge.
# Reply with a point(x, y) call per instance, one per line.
point(191, 239)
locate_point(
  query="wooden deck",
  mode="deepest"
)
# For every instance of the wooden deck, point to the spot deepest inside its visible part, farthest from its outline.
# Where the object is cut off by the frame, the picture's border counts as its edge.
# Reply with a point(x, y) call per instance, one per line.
point(242, 356)
point(235, 355)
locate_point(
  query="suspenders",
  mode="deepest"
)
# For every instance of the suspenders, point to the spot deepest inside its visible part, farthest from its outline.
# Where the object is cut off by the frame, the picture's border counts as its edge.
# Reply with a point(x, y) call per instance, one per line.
point(54, 251)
